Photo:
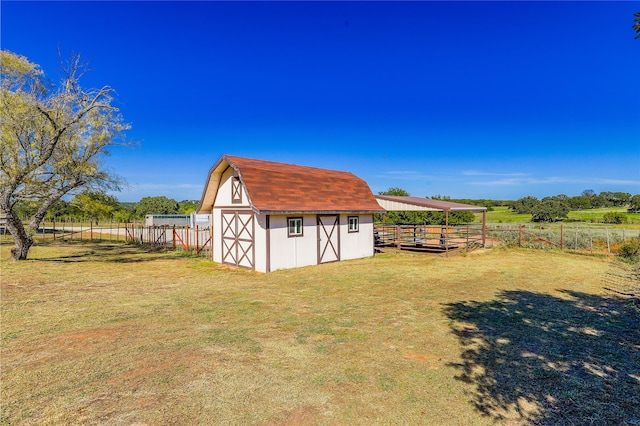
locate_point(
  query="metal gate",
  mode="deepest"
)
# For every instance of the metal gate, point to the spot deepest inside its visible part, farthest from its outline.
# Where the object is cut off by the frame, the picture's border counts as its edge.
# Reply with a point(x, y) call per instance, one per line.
point(238, 230)
point(328, 238)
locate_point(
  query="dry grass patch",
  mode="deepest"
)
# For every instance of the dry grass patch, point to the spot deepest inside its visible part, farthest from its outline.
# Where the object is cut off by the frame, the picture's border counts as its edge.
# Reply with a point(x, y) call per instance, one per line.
point(107, 333)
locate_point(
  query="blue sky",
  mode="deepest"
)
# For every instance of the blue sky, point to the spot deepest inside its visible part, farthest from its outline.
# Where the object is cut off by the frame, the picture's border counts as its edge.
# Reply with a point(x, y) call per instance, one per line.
point(466, 99)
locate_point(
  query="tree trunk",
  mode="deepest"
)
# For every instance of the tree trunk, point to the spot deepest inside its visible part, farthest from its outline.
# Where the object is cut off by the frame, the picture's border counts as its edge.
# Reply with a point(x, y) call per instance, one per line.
point(21, 237)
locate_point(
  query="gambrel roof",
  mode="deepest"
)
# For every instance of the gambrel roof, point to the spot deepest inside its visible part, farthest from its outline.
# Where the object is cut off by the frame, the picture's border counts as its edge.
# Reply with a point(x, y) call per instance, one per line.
point(279, 188)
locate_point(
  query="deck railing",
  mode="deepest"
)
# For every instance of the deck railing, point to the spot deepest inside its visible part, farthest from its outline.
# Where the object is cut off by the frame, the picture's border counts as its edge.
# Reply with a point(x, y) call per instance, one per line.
point(430, 238)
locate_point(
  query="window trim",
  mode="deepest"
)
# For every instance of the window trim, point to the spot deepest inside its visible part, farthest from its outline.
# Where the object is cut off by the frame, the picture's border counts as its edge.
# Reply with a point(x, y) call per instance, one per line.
point(357, 224)
point(295, 235)
point(236, 190)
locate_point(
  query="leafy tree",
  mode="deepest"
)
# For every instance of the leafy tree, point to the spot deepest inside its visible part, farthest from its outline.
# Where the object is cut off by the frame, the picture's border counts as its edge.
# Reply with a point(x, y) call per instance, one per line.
point(634, 204)
point(598, 201)
point(60, 209)
point(399, 218)
point(188, 206)
point(636, 24)
point(588, 193)
point(157, 205)
point(579, 203)
point(126, 212)
point(395, 191)
point(96, 205)
point(24, 209)
point(52, 140)
point(616, 199)
point(549, 210)
point(455, 218)
point(525, 205)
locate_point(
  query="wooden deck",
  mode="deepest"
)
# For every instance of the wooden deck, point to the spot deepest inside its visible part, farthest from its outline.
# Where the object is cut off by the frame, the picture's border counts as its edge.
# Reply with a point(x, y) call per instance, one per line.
point(429, 238)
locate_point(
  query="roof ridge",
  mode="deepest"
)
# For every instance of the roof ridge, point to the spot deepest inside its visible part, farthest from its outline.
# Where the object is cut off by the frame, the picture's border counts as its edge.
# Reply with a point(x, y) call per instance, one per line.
point(279, 163)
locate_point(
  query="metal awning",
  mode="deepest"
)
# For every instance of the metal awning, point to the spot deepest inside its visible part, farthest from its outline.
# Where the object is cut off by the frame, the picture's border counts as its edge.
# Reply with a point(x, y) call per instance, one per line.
point(412, 204)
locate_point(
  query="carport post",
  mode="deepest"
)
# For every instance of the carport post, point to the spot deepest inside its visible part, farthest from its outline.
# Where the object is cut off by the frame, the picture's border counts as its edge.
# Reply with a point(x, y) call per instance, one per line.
point(484, 228)
point(446, 235)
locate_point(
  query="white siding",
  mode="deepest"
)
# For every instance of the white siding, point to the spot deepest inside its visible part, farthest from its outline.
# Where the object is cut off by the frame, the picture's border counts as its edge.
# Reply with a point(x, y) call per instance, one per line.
point(355, 245)
point(292, 252)
point(261, 243)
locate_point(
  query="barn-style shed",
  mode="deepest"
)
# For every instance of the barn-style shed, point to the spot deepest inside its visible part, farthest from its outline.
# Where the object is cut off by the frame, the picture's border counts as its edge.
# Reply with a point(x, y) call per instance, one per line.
point(267, 215)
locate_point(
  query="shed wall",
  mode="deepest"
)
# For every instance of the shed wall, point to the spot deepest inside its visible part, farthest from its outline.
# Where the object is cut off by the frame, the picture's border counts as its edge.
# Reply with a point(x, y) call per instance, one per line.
point(292, 252)
point(356, 245)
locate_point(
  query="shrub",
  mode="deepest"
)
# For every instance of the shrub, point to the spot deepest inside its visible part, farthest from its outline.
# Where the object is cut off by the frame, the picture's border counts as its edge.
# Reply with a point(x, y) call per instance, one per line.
point(614, 217)
point(630, 249)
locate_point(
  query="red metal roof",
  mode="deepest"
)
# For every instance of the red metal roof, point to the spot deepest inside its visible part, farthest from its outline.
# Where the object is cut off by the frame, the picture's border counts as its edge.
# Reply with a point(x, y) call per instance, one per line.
point(278, 187)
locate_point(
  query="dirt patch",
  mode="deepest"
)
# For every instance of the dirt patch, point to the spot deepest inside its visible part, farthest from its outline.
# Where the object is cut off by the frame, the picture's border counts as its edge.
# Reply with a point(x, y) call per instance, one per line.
point(298, 417)
point(431, 359)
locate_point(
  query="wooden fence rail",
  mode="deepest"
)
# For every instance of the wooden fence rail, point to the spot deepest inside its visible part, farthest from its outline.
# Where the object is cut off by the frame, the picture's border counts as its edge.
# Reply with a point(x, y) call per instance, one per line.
point(429, 238)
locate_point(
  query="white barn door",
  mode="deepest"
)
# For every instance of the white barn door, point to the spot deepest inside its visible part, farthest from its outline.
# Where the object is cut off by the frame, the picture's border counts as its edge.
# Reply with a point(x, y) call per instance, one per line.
point(238, 245)
point(328, 238)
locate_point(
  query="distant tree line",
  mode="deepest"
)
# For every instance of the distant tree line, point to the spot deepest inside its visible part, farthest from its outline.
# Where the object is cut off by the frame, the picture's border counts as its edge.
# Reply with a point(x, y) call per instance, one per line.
point(98, 206)
point(548, 209)
point(557, 207)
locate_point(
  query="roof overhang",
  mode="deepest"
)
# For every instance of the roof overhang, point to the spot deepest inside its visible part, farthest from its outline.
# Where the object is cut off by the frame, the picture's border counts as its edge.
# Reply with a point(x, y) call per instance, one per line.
point(211, 186)
point(318, 212)
point(412, 204)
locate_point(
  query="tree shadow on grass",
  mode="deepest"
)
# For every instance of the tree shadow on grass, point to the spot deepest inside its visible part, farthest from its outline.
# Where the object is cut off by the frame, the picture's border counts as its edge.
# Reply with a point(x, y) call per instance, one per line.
point(569, 360)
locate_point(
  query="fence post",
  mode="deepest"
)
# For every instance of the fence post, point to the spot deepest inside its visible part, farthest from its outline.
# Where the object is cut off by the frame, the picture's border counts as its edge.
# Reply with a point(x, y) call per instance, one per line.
point(197, 245)
point(398, 243)
point(186, 236)
point(562, 236)
point(520, 237)
point(173, 238)
point(467, 245)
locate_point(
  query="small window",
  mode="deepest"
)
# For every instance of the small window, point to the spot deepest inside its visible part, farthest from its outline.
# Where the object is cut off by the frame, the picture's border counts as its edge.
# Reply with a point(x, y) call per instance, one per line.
point(236, 191)
point(354, 224)
point(294, 227)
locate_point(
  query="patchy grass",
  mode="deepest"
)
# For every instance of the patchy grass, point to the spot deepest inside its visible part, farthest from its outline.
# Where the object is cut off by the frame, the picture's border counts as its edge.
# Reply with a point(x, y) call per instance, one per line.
point(107, 333)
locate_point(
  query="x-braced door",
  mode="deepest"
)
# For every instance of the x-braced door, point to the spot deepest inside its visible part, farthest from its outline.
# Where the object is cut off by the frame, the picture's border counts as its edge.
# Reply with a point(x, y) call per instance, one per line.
point(238, 230)
point(328, 238)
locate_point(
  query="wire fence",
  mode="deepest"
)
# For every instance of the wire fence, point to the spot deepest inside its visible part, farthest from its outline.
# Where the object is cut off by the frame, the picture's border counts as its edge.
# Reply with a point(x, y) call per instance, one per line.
point(585, 237)
point(579, 237)
point(166, 237)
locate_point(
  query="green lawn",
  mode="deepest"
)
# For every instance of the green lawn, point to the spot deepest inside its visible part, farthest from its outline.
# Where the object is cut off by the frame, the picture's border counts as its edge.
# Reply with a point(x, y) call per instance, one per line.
point(502, 214)
point(110, 334)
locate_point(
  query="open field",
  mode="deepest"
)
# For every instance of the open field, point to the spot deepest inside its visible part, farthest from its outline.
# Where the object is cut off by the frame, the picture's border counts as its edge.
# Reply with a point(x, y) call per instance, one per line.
point(502, 214)
point(107, 333)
